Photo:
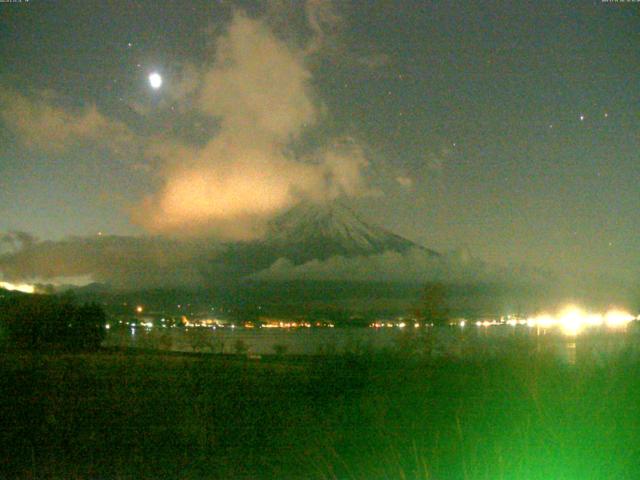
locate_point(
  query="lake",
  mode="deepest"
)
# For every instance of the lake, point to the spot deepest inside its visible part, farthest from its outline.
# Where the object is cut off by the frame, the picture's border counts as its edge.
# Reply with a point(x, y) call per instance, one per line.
point(454, 341)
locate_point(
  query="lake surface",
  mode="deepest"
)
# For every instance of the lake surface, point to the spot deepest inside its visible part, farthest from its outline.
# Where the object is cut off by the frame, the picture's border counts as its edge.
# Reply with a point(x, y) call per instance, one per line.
point(470, 341)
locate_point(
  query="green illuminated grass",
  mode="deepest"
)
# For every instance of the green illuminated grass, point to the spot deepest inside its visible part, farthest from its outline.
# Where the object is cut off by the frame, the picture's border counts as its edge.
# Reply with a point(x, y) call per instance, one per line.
point(116, 415)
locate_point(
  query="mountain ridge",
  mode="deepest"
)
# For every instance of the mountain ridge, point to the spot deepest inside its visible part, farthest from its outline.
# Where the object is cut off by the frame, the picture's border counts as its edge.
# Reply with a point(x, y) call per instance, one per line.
point(331, 229)
point(310, 231)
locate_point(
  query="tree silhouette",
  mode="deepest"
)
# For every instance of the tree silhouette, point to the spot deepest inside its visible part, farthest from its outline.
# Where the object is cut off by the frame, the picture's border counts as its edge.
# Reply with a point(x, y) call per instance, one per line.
point(434, 304)
point(44, 322)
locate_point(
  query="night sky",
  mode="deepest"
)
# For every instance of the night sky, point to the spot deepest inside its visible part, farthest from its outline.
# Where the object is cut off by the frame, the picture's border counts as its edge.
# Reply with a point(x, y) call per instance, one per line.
point(508, 128)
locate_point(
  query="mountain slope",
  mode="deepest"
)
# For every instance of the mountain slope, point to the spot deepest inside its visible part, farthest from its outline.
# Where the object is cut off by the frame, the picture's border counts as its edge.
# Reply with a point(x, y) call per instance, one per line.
point(311, 231)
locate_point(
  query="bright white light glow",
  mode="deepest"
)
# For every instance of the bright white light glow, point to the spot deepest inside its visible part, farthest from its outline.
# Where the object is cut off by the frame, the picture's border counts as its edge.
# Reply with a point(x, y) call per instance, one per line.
point(573, 320)
point(155, 80)
point(19, 287)
point(617, 318)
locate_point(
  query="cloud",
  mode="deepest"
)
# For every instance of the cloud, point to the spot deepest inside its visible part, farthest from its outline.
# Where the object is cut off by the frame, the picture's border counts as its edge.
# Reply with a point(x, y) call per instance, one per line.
point(315, 25)
point(327, 25)
point(320, 25)
point(325, 22)
point(14, 241)
point(183, 84)
point(132, 263)
point(413, 266)
point(151, 261)
point(41, 125)
point(258, 88)
point(257, 85)
point(125, 262)
point(257, 101)
point(474, 280)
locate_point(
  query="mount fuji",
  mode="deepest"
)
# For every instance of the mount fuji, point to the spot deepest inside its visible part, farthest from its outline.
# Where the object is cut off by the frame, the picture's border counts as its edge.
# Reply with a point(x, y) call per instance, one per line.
point(310, 231)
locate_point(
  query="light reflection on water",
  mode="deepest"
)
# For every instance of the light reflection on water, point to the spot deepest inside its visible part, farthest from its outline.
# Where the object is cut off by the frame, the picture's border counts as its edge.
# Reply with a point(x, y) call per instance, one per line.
point(434, 342)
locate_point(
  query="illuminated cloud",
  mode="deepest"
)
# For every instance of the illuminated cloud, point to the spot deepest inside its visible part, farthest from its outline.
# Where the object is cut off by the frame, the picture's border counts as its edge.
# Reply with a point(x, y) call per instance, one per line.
point(258, 88)
point(124, 262)
point(41, 125)
point(231, 193)
point(257, 95)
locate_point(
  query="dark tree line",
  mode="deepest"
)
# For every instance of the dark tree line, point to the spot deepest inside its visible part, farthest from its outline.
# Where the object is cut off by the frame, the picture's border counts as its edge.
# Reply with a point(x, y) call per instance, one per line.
point(435, 304)
point(41, 322)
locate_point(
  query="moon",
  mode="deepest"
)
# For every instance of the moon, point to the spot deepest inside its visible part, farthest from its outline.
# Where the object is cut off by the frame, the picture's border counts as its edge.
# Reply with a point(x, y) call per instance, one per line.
point(155, 80)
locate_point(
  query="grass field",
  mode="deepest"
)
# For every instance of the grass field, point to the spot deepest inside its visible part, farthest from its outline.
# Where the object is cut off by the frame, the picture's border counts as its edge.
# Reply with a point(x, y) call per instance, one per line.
point(143, 415)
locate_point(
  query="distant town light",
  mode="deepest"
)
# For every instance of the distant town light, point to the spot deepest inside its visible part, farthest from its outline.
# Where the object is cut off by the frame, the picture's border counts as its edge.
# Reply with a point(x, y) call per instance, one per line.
point(573, 320)
point(617, 318)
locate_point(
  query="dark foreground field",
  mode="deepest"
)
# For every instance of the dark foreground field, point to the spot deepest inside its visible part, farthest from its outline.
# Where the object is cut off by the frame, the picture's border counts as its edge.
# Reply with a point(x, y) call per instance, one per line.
point(122, 415)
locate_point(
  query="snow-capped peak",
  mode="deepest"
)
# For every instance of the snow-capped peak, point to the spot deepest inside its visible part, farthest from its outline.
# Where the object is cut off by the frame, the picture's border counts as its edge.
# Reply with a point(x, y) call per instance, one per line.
point(330, 229)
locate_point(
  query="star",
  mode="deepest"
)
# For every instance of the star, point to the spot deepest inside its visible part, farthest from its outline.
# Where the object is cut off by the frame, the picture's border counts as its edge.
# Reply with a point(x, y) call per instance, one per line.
point(582, 118)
